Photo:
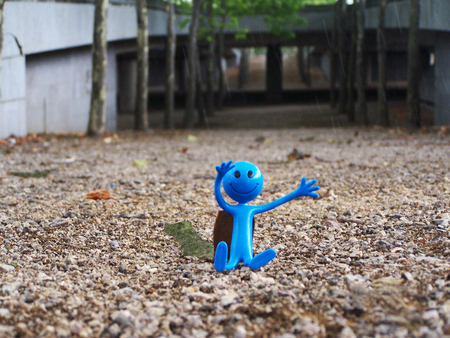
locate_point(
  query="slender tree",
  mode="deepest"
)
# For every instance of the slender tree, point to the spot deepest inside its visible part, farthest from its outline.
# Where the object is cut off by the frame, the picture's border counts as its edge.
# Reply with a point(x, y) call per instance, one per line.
point(189, 117)
point(210, 68)
point(382, 111)
point(351, 66)
point(141, 114)
point(170, 66)
point(201, 113)
point(413, 103)
point(303, 64)
point(333, 55)
point(342, 103)
point(220, 54)
point(243, 67)
point(361, 105)
point(2, 6)
point(97, 113)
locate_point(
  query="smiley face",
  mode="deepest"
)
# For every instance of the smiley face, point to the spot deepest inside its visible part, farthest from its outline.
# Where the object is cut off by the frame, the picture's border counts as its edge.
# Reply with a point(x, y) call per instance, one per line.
point(244, 182)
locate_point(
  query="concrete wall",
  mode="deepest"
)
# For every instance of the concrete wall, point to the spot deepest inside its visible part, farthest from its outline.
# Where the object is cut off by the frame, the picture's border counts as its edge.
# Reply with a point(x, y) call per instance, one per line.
point(58, 90)
point(12, 90)
point(51, 92)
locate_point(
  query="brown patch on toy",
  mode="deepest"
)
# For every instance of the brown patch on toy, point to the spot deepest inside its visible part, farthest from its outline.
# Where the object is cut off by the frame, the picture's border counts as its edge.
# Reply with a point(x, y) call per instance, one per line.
point(223, 229)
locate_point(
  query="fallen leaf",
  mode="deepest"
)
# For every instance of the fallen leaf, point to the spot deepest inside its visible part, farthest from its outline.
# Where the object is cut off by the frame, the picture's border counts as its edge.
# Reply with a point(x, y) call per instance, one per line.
point(192, 138)
point(34, 174)
point(100, 195)
point(260, 139)
point(184, 150)
point(297, 155)
point(140, 163)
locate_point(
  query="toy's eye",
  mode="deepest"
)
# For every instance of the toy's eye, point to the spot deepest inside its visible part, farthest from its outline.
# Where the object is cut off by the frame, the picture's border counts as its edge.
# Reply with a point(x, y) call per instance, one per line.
point(250, 174)
point(237, 174)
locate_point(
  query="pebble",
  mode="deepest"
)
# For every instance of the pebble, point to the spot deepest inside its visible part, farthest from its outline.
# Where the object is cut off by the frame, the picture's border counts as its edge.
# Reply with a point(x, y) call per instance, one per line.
point(347, 332)
point(123, 318)
point(431, 315)
point(7, 267)
point(240, 332)
point(114, 245)
point(4, 313)
point(114, 330)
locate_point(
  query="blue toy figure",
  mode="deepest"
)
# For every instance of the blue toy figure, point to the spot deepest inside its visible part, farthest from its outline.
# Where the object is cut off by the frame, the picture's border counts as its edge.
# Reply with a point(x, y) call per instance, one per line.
point(243, 182)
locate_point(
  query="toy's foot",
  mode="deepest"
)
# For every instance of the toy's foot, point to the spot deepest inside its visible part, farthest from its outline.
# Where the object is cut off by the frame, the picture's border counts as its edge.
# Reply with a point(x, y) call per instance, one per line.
point(220, 257)
point(262, 259)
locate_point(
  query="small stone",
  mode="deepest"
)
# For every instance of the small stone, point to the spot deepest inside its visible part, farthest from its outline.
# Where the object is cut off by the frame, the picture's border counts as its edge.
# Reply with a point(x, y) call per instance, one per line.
point(114, 245)
point(4, 313)
point(384, 245)
point(114, 330)
point(69, 214)
point(122, 318)
point(347, 332)
point(7, 267)
point(76, 327)
point(143, 215)
point(240, 332)
point(431, 315)
point(287, 335)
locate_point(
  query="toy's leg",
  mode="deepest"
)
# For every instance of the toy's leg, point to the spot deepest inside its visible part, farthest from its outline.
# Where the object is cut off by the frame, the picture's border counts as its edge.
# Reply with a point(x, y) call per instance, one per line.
point(232, 263)
point(262, 258)
point(220, 257)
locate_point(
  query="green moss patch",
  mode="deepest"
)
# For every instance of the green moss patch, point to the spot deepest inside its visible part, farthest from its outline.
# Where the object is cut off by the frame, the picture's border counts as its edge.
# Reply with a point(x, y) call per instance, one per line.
point(190, 241)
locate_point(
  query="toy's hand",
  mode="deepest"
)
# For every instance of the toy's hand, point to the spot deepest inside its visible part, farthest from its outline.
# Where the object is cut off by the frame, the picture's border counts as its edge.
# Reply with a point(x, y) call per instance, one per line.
point(306, 189)
point(224, 168)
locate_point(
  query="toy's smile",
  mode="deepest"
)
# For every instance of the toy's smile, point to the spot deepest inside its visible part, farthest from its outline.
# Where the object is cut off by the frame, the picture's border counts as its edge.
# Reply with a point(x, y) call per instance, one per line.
point(243, 193)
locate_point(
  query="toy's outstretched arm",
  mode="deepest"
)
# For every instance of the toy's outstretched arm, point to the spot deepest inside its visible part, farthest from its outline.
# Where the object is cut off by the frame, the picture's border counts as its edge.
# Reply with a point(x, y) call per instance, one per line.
point(305, 189)
point(221, 171)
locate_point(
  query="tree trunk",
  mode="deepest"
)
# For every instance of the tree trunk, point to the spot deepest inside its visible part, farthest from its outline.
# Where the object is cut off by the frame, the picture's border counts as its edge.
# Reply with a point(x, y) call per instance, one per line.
point(97, 113)
point(189, 117)
point(200, 93)
point(413, 103)
point(141, 114)
point(351, 67)
point(274, 74)
point(210, 69)
point(2, 6)
point(361, 105)
point(342, 104)
point(243, 67)
point(169, 122)
point(333, 56)
point(220, 53)
point(383, 112)
point(303, 64)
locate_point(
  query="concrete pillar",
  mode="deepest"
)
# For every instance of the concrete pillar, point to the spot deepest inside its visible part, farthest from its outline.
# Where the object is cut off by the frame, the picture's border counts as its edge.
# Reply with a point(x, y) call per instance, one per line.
point(274, 74)
point(442, 79)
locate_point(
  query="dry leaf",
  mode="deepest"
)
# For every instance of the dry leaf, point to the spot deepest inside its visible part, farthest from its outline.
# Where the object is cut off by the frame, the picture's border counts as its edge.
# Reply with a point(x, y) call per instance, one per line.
point(100, 195)
point(184, 150)
point(140, 163)
point(297, 155)
point(192, 138)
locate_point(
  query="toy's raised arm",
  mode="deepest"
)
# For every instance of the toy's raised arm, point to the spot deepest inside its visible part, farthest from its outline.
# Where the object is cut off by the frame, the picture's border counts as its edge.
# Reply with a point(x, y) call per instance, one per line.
point(221, 171)
point(305, 189)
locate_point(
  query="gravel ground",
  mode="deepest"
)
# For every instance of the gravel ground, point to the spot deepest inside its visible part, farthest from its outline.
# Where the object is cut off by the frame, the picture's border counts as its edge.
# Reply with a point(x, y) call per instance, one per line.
point(368, 258)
